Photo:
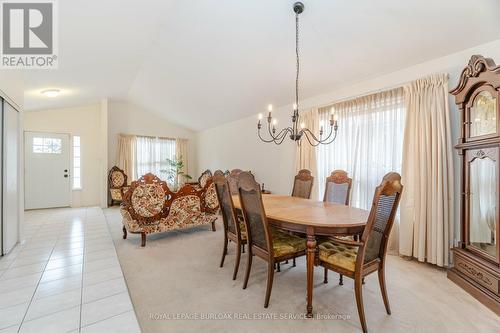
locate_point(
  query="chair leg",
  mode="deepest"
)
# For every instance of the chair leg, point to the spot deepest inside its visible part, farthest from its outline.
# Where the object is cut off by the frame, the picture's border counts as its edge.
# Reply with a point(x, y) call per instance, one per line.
point(341, 279)
point(325, 279)
point(213, 226)
point(383, 289)
point(224, 252)
point(358, 289)
point(249, 266)
point(363, 281)
point(286, 261)
point(124, 232)
point(243, 249)
point(270, 277)
point(278, 265)
point(143, 239)
point(237, 262)
point(293, 265)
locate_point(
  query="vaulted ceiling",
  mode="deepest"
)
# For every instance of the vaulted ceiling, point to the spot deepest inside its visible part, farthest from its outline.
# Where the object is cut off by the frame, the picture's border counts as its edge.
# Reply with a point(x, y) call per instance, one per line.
point(199, 63)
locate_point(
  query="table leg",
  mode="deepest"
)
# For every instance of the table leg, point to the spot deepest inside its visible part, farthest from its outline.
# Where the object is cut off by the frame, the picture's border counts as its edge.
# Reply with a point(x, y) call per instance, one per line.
point(311, 252)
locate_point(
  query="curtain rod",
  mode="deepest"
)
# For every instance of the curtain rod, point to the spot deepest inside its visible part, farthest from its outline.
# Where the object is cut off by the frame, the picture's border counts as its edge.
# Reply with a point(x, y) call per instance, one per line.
point(376, 91)
point(151, 136)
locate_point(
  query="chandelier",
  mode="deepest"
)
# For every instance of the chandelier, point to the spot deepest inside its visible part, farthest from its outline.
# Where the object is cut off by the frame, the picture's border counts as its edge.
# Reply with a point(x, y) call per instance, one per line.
point(298, 129)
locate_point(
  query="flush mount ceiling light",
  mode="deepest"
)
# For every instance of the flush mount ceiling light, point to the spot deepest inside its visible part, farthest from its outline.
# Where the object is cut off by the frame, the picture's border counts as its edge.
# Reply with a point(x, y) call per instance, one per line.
point(296, 132)
point(51, 92)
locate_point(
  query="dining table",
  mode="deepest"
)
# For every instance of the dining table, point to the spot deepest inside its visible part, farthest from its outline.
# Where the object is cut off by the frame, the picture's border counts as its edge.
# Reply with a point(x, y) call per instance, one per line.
point(311, 218)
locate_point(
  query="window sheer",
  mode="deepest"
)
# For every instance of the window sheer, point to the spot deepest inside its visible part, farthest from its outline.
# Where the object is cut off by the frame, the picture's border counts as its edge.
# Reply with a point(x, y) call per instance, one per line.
point(368, 145)
point(152, 154)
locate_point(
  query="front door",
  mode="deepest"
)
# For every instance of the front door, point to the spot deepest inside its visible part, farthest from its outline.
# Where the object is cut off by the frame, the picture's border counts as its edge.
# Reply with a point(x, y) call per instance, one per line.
point(47, 165)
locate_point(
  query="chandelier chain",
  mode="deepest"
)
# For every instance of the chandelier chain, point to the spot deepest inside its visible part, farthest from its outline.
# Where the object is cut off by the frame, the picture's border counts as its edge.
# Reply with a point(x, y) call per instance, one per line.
point(297, 60)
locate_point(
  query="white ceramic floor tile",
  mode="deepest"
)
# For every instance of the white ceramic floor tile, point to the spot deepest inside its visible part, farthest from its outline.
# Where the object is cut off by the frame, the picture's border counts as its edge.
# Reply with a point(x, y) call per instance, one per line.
point(60, 273)
point(60, 322)
point(11, 329)
point(102, 275)
point(98, 265)
point(16, 296)
point(52, 304)
point(63, 262)
point(105, 308)
point(19, 282)
point(12, 315)
point(122, 323)
point(104, 289)
point(58, 286)
point(20, 271)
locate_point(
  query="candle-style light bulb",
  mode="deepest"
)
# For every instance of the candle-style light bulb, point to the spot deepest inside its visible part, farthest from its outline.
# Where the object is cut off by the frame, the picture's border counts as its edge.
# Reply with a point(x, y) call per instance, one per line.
point(332, 111)
point(270, 108)
point(321, 124)
point(260, 116)
point(275, 121)
point(302, 125)
point(335, 117)
point(294, 106)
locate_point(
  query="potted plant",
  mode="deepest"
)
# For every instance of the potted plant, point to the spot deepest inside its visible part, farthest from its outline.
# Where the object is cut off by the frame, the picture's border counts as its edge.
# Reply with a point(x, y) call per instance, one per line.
point(175, 175)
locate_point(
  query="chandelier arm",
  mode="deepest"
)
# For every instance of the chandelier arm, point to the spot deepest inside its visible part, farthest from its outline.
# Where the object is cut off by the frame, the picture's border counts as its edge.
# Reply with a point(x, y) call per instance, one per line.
point(306, 134)
point(276, 138)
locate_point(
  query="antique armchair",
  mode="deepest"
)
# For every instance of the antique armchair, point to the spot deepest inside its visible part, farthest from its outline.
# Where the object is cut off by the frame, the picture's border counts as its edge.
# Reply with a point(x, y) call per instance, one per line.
point(151, 207)
point(357, 259)
point(265, 242)
point(302, 185)
point(234, 227)
point(117, 182)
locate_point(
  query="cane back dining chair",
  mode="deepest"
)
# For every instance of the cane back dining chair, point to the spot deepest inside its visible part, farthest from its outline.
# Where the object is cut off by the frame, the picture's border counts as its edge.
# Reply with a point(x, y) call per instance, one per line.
point(357, 259)
point(234, 228)
point(265, 242)
point(302, 184)
point(338, 188)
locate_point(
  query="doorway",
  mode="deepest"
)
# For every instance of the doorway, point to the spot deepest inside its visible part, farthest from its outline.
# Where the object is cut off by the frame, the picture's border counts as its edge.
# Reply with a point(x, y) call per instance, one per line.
point(47, 165)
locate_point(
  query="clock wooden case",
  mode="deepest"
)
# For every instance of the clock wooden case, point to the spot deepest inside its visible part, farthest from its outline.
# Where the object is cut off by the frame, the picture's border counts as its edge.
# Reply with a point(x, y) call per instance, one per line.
point(476, 257)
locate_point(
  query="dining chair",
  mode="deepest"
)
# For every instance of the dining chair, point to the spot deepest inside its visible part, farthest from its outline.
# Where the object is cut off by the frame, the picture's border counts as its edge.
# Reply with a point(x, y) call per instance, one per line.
point(264, 241)
point(232, 179)
point(302, 184)
point(338, 188)
point(357, 259)
point(234, 228)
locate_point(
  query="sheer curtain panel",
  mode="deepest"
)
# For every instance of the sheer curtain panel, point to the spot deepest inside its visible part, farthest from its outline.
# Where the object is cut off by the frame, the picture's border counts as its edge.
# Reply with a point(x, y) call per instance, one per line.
point(125, 158)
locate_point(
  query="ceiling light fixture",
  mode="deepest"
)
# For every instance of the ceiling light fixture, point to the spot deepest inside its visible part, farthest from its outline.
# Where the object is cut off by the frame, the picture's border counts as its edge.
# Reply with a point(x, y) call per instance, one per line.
point(296, 131)
point(51, 92)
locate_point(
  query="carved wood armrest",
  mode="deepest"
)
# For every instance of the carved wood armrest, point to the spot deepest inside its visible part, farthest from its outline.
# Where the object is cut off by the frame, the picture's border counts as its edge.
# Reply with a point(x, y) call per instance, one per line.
point(348, 242)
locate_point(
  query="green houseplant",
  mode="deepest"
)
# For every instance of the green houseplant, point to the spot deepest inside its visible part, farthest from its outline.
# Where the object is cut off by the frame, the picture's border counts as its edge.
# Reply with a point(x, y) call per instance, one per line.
point(174, 172)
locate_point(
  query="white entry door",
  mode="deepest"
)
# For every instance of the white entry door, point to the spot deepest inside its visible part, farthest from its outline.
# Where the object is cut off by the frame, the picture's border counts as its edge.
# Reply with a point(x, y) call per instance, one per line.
point(47, 166)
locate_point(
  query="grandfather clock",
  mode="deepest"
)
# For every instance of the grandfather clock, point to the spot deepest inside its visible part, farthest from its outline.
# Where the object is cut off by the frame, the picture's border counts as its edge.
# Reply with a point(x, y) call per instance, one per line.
point(476, 258)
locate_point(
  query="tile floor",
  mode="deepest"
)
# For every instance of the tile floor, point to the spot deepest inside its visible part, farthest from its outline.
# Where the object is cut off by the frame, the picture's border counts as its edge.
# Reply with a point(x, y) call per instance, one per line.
point(65, 278)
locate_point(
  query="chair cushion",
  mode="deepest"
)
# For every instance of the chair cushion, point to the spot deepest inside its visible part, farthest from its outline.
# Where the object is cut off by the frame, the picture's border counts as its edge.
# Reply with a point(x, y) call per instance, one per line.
point(337, 254)
point(116, 194)
point(284, 243)
point(243, 231)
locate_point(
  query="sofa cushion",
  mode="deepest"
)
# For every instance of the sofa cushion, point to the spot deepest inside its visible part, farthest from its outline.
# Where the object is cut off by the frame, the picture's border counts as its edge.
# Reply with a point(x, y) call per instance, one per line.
point(148, 199)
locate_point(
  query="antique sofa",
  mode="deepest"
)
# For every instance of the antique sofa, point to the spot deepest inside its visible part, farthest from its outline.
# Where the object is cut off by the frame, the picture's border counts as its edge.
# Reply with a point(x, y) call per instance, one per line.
point(151, 207)
point(117, 181)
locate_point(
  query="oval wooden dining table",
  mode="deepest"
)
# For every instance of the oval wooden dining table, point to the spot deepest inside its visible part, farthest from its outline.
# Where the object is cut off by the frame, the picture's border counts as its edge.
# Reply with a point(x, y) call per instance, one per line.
point(312, 218)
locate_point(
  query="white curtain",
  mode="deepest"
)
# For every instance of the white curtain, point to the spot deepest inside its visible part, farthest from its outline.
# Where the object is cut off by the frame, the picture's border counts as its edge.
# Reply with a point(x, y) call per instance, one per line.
point(181, 152)
point(125, 158)
point(152, 154)
point(427, 175)
point(368, 145)
point(305, 156)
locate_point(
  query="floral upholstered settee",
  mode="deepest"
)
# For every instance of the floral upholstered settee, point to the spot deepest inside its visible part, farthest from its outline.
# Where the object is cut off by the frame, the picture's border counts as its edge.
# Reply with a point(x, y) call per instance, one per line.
point(117, 180)
point(151, 207)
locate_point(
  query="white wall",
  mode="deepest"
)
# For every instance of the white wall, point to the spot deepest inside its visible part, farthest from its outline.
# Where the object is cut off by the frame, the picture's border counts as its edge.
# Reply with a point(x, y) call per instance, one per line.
point(127, 118)
point(235, 144)
point(84, 121)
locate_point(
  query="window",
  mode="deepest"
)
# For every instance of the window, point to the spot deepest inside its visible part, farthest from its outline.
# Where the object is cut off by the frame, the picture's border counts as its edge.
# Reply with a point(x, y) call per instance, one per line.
point(369, 143)
point(152, 154)
point(77, 169)
point(47, 146)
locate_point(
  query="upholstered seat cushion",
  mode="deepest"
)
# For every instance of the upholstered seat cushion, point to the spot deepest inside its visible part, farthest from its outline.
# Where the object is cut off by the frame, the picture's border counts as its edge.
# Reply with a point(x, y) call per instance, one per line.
point(337, 254)
point(284, 243)
point(243, 230)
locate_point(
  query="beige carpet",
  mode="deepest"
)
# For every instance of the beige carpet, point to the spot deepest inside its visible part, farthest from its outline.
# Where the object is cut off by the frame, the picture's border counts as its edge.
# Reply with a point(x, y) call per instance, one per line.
point(178, 274)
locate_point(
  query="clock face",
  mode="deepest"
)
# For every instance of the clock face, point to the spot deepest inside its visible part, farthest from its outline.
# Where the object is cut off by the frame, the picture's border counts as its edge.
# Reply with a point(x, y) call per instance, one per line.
point(483, 114)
